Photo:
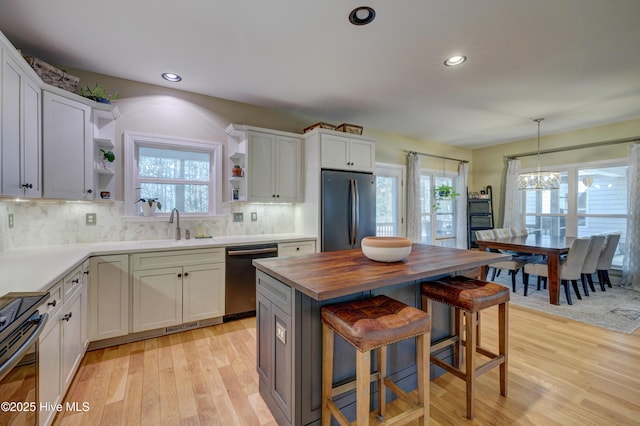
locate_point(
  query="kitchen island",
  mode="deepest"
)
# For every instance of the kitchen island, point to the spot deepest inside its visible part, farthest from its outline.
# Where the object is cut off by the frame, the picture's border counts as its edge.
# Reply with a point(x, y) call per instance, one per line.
point(291, 292)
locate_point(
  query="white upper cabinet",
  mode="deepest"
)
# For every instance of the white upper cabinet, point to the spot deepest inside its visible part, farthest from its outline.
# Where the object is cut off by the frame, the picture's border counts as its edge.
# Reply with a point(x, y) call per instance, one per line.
point(273, 165)
point(274, 168)
point(67, 148)
point(347, 153)
point(21, 123)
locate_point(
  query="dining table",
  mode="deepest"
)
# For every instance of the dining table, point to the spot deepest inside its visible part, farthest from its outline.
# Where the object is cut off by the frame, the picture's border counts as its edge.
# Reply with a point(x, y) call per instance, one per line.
point(551, 246)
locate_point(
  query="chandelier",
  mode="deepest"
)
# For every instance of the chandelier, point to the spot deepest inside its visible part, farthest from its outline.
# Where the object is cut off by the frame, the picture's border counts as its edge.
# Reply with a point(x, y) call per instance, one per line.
point(538, 180)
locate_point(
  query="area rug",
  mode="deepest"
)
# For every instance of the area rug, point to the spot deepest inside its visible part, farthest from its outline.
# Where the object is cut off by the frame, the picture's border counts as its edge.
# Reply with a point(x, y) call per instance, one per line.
point(616, 309)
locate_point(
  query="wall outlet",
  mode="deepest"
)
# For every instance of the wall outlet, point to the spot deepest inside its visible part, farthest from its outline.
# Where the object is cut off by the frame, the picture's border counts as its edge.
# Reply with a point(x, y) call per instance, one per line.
point(90, 219)
point(10, 220)
point(238, 217)
point(254, 216)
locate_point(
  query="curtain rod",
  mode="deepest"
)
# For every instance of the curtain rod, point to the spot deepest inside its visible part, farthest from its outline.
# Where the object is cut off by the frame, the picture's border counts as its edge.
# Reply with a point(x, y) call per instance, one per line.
point(571, 148)
point(437, 156)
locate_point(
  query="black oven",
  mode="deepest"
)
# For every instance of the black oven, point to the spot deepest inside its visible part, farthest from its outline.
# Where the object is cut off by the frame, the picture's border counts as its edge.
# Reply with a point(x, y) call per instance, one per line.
point(20, 327)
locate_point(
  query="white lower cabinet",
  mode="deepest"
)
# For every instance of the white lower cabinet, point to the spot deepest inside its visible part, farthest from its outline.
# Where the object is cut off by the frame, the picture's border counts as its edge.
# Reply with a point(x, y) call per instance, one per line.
point(157, 298)
point(108, 297)
point(49, 367)
point(62, 344)
point(72, 343)
point(296, 249)
point(188, 287)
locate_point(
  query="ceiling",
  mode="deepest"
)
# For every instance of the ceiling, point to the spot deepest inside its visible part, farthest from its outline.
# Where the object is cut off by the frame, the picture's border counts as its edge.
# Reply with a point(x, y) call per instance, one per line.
point(574, 62)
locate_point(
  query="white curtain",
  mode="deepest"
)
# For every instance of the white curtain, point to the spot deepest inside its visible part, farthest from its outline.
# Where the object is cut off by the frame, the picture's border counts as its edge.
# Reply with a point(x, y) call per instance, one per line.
point(631, 262)
point(512, 197)
point(414, 224)
point(461, 206)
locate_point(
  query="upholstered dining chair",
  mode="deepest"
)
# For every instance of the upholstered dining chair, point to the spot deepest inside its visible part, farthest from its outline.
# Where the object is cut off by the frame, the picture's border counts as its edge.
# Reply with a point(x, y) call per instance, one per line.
point(519, 232)
point(570, 268)
point(513, 265)
point(591, 261)
point(606, 258)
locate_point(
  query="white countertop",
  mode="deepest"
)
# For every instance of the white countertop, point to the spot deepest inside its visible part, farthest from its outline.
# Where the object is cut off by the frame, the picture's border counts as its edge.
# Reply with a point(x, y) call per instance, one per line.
point(38, 268)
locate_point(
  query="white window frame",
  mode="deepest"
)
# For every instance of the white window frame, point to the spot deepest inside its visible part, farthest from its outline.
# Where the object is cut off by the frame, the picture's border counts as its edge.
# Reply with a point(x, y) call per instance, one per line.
point(399, 172)
point(133, 139)
point(571, 217)
point(447, 241)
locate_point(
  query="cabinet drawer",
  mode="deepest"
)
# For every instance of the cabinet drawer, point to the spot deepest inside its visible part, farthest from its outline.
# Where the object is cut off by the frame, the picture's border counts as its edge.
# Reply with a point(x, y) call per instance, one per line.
point(166, 259)
point(53, 304)
point(278, 293)
point(71, 283)
point(296, 249)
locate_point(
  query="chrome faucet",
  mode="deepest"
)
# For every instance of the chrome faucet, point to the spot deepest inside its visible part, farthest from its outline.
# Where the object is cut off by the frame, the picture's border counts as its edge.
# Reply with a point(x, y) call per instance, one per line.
point(175, 210)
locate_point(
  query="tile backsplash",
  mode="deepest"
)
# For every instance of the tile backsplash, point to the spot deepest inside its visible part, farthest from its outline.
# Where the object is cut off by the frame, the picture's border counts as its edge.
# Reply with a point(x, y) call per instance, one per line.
point(50, 222)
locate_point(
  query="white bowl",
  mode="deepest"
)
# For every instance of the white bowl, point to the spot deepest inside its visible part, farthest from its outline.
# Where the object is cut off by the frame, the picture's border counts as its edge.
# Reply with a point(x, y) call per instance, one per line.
point(386, 249)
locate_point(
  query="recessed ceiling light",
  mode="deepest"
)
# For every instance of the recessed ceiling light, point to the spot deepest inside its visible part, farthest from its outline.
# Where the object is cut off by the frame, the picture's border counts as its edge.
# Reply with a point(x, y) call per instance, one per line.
point(169, 76)
point(362, 15)
point(455, 60)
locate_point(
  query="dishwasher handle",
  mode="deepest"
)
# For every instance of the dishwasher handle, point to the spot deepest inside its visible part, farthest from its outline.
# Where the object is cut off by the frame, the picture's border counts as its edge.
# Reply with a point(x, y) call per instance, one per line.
point(252, 251)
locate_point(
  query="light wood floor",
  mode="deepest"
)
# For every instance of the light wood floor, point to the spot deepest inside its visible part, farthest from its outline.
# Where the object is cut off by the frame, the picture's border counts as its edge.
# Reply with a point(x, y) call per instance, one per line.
point(561, 372)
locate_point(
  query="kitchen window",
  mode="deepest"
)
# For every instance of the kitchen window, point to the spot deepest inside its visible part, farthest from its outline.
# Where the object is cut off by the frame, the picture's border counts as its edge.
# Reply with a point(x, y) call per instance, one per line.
point(179, 173)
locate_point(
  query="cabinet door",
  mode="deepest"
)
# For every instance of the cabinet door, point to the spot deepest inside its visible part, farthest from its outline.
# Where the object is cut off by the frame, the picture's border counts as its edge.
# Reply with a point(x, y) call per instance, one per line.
point(32, 158)
point(362, 155)
point(72, 347)
point(260, 169)
point(156, 298)
point(20, 136)
point(67, 153)
point(288, 172)
point(108, 310)
point(203, 292)
point(49, 368)
point(282, 355)
point(334, 152)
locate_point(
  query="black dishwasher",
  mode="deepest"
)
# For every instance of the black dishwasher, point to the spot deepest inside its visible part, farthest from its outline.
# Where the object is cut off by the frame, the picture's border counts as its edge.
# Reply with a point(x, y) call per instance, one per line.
point(240, 279)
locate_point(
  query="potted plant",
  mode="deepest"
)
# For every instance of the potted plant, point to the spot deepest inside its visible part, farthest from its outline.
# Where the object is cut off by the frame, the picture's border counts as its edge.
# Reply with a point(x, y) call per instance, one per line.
point(97, 93)
point(107, 157)
point(149, 206)
point(443, 192)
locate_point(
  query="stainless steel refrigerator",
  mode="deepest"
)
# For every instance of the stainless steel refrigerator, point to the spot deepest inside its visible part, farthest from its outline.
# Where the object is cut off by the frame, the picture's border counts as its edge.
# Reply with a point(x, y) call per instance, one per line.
point(348, 209)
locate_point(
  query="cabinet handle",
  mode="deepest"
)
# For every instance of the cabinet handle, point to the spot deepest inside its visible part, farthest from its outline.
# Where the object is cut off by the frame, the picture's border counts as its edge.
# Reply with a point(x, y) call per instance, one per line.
point(89, 191)
point(179, 275)
point(86, 272)
point(27, 185)
point(278, 196)
point(186, 274)
point(273, 196)
point(297, 248)
point(54, 303)
point(67, 317)
point(76, 281)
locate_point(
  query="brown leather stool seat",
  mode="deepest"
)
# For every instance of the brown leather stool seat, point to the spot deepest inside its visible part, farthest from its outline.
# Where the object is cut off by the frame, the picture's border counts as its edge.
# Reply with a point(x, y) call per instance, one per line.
point(372, 324)
point(470, 296)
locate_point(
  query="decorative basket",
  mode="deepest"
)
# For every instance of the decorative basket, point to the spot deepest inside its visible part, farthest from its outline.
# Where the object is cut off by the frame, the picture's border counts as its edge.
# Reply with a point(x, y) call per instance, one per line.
point(350, 128)
point(319, 125)
point(52, 75)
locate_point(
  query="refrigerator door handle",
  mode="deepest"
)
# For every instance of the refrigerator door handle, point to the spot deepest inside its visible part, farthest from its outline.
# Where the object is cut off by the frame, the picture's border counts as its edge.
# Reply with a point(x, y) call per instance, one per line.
point(352, 190)
point(357, 212)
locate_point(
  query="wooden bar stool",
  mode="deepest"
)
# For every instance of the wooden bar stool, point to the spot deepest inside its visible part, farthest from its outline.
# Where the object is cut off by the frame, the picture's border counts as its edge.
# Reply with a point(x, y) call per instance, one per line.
point(373, 324)
point(470, 296)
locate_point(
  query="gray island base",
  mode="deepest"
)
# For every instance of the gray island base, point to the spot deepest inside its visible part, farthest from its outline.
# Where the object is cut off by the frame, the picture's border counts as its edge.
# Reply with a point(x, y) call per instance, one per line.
point(290, 294)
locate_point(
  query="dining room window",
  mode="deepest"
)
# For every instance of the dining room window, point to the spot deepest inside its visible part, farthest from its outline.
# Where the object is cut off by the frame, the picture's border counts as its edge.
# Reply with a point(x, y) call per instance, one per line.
point(592, 199)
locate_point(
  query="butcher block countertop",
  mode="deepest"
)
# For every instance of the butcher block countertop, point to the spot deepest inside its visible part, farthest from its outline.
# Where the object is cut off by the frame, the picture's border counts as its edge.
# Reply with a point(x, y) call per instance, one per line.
point(327, 275)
